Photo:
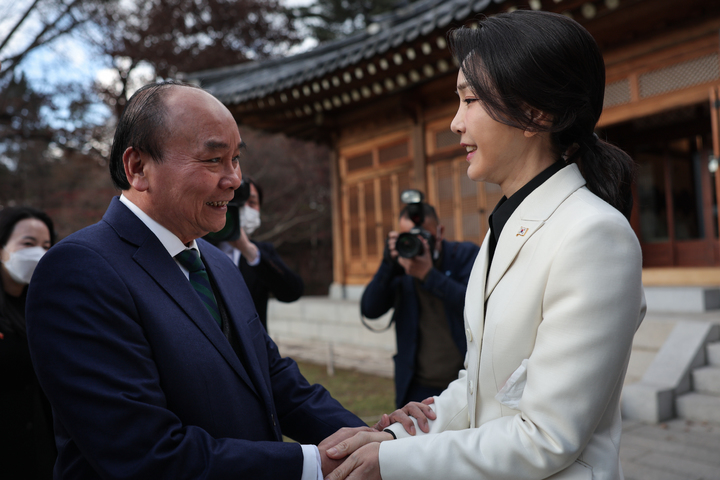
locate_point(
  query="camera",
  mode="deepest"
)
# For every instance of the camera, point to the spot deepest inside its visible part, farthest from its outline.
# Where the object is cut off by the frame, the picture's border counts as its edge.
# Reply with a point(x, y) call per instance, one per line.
point(408, 245)
point(231, 230)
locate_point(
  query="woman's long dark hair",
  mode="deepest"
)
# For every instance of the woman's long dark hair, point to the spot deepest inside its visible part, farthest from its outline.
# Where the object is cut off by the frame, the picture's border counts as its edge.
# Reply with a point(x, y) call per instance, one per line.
point(551, 64)
point(12, 320)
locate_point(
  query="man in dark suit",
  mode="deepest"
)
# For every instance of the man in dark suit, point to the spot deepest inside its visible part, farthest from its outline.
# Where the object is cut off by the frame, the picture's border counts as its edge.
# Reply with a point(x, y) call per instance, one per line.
point(261, 266)
point(150, 375)
point(427, 293)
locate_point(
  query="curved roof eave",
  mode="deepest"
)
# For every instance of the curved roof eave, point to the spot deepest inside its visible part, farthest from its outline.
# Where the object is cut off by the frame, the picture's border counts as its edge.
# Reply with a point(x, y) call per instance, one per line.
point(239, 83)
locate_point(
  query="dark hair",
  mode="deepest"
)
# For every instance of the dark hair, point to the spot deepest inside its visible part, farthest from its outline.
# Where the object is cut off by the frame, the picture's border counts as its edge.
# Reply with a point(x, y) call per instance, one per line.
point(252, 182)
point(550, 63)
point(428, 212)
point(10, 216)
point(12, 318)
point(143, 126)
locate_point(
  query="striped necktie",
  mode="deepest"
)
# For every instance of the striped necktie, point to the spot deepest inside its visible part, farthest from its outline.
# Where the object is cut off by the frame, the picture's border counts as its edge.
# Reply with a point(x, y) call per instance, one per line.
point(190, 259)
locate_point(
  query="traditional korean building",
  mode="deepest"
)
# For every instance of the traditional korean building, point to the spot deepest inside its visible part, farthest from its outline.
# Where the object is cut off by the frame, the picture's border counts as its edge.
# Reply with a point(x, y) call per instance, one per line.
point(383, 100)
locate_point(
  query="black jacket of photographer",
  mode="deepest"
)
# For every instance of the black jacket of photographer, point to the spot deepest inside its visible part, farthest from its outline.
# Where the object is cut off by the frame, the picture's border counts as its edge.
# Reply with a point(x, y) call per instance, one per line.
point(271, 275)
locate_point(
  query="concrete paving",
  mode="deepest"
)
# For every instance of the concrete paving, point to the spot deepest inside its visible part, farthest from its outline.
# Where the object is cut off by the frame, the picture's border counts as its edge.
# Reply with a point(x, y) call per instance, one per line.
point(675, 450)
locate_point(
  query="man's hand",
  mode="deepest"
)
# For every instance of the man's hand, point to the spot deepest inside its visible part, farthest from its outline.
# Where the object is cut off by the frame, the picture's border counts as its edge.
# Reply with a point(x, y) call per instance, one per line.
point(420, 265)
point(363, 464)
point(391, 242)
point(246, 247)
point(330, 464)
point(420, 411)
point(347, 446)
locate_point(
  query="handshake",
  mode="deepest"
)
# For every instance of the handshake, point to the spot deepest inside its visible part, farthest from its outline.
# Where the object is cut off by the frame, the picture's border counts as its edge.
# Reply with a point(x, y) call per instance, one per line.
point(353, 453)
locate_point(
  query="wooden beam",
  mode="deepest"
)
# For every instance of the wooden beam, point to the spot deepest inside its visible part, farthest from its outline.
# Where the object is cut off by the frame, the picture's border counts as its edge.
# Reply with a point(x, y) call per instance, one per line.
point(679, 39)
point(651, 105)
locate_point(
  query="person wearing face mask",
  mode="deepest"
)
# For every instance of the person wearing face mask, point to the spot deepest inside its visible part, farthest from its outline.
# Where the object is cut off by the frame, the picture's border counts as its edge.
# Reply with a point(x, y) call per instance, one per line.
point(26, 442)
point(262, 268)
point(427, 292)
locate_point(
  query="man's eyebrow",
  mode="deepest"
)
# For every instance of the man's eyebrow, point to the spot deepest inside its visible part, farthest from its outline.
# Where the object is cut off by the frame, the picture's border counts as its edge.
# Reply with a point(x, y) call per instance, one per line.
point(215, 145)
point(218, 145)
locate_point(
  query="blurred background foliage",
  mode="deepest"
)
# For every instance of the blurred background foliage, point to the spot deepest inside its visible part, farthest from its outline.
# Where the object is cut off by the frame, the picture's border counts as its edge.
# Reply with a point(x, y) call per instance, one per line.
point(56, 130)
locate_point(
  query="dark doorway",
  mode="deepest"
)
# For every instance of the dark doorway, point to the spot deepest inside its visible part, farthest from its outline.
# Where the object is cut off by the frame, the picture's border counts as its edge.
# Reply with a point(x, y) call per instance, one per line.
point(675, 212)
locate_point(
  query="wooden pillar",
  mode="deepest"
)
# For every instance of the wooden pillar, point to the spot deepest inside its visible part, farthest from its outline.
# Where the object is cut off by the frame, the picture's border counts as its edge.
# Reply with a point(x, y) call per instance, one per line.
point(335, 196)
point(418, 147)
point(715, 122)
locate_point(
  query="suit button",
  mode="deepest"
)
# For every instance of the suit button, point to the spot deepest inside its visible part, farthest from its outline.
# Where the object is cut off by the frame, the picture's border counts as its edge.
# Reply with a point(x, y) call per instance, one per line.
point(468, 334)
point(472, 387)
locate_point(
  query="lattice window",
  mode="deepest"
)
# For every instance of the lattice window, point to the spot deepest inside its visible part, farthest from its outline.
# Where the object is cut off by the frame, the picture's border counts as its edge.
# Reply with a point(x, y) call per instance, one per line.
point(444, 202)
point(353, 198)
point(370, 219)
point(617, 93)
point(393, 152)
point(459, 201)
point(370, 211)
point(446, 138)
point(359, 162)
point(388, 205)
point(681, 75)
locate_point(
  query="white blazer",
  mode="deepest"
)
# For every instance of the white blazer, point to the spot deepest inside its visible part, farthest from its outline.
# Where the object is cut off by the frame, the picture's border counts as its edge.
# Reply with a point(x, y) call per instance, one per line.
point(549, 332)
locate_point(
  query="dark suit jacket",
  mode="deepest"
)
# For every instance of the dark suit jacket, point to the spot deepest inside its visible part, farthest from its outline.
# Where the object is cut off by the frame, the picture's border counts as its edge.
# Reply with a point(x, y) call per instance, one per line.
point(144, 384)
point(270, 275)
point(391, 287)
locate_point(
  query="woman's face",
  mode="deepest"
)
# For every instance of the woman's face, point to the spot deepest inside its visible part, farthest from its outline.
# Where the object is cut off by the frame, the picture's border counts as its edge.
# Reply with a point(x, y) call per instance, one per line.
point(495, 151)
point(29, 232)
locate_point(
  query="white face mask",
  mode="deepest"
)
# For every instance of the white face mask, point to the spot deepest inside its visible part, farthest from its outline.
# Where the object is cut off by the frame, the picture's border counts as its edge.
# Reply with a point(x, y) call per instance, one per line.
point(249, 219)
point(22, 263)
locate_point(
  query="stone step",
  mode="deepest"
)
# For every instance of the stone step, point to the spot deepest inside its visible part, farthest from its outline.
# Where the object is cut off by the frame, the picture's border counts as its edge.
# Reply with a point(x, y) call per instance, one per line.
point(706, 380)
point(713, 353)
point(698, 407)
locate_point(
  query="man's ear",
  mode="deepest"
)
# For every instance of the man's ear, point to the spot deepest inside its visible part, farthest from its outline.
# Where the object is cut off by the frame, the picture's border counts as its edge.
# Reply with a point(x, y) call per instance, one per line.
point(135, 164)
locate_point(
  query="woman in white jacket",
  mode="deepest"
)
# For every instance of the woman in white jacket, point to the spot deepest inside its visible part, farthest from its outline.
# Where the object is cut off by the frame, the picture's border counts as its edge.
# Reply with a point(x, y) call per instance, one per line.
point(555, 295)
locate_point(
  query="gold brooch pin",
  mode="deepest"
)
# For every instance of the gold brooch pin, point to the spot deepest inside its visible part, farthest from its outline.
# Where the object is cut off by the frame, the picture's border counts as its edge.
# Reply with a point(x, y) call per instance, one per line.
point(522, 232)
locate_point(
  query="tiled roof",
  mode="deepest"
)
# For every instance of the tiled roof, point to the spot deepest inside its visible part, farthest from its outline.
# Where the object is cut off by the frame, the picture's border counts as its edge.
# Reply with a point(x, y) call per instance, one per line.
point(241, 83)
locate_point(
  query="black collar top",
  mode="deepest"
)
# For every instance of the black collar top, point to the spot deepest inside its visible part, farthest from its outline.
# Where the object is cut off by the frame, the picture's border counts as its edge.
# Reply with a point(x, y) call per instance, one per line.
point(506, 206)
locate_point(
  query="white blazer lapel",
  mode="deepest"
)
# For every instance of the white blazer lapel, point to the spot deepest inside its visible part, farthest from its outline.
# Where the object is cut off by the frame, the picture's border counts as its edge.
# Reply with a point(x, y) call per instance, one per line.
point(529, 217)
point(514, 234)
point(474, 297)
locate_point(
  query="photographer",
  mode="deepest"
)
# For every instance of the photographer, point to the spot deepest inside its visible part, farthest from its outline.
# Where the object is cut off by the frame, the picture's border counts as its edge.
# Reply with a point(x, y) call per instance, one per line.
point(424, 278)
point(261, 267)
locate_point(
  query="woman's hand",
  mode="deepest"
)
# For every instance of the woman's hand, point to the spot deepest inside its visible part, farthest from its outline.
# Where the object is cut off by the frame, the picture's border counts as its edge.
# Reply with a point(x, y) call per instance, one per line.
point(421, 411)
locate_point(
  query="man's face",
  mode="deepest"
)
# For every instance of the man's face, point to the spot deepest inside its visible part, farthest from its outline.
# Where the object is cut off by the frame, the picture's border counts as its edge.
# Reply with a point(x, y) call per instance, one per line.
point(189, 190)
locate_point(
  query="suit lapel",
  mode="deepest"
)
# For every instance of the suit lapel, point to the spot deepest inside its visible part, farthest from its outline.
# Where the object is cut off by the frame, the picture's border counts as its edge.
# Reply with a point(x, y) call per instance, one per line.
point(155, 260)
point(528, 218)
point(474, 296)
point(514, 234)
point(239, 312)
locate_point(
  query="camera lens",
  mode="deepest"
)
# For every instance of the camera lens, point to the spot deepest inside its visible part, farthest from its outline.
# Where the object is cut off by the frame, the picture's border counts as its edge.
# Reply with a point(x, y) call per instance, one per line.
point(408, 245)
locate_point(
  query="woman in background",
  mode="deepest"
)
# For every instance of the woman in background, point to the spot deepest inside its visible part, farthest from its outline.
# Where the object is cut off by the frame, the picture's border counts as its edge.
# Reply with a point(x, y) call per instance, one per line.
point(27, 447)
point(555, 295)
